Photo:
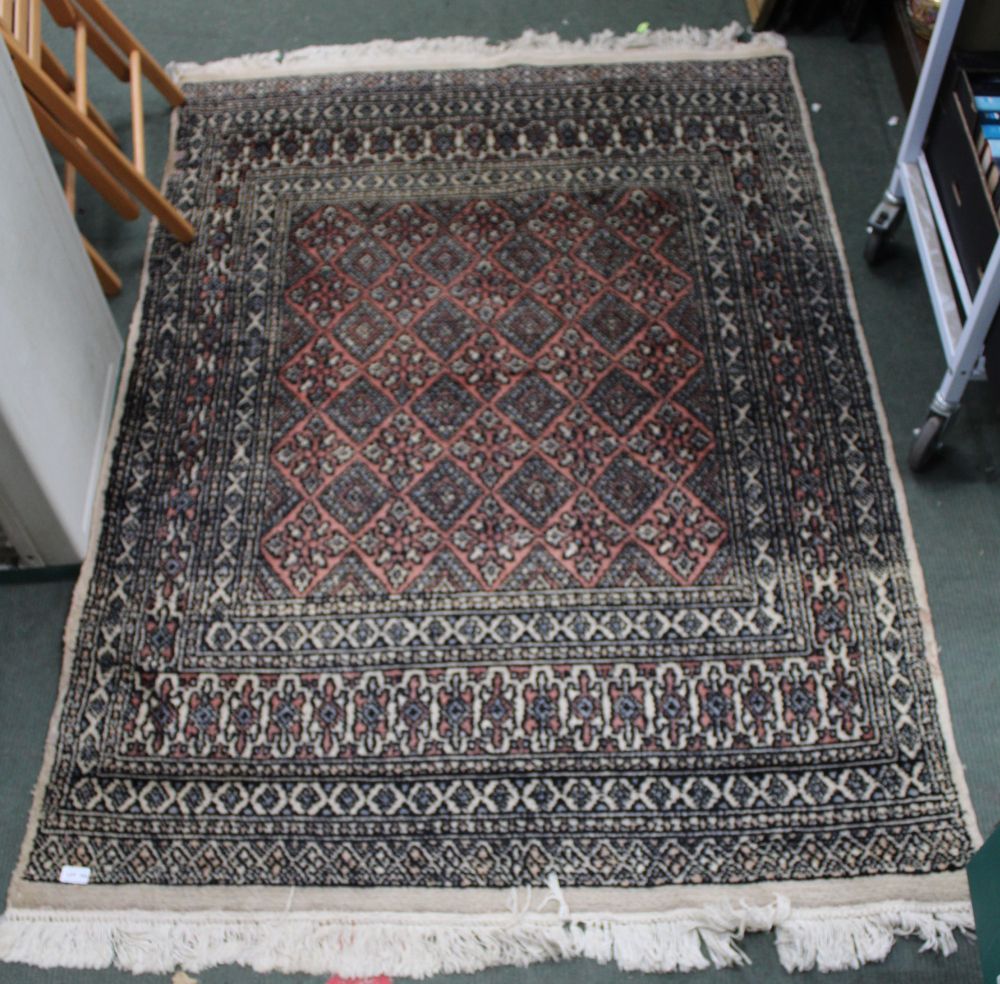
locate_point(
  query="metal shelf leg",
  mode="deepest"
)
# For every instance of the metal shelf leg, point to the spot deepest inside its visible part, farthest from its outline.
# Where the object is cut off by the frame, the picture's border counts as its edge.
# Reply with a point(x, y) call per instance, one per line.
point(968, 351)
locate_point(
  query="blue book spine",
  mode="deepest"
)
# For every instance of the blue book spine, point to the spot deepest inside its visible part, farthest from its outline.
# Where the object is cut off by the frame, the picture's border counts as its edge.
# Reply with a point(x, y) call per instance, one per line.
point(987, 103)
point(994, 148)
point(991, 131)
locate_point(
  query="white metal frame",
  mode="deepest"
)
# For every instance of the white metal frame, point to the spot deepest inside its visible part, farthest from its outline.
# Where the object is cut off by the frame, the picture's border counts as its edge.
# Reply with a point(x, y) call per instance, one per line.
point(963, 320)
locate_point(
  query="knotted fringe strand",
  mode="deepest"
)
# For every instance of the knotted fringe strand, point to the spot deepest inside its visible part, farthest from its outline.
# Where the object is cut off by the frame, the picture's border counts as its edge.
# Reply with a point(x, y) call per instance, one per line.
point(469, 52)
point(422, 945)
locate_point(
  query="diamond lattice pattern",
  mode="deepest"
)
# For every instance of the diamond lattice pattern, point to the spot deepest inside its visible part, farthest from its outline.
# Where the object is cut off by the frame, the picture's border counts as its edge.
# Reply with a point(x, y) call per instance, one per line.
point(492, 393)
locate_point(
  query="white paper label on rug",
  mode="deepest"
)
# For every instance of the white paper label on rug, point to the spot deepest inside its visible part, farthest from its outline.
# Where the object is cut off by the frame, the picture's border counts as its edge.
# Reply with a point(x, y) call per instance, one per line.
point(72, 874)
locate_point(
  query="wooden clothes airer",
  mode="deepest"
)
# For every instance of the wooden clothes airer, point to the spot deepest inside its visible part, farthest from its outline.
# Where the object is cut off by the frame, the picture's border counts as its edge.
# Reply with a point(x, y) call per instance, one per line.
point(72, 124)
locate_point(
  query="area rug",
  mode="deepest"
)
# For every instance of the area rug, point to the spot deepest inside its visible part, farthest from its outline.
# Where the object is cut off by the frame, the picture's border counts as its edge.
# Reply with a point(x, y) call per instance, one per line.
point(500, 558)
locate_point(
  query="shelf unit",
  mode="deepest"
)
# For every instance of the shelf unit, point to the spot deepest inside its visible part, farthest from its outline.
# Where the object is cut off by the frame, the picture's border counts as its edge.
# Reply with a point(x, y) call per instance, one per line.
point(963, 317)
point(906, 48)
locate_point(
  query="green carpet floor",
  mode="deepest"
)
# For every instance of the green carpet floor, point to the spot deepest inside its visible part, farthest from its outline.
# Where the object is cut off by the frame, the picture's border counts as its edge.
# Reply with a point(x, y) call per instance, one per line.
point(955, 508)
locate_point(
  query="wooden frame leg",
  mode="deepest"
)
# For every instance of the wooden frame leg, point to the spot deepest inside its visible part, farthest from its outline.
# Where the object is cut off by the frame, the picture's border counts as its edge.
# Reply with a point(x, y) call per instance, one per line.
point(59, 105)
point(110, 282)
point(70, 122)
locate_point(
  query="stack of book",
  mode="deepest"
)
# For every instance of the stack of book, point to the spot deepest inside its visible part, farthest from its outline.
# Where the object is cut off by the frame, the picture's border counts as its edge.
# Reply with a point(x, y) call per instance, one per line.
point(987, 135)
point(962, 150)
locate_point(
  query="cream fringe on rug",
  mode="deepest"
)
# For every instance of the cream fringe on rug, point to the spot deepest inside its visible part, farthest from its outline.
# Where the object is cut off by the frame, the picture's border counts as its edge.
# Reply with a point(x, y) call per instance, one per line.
point(672, 936)
point(426, 944)
point(440, 54)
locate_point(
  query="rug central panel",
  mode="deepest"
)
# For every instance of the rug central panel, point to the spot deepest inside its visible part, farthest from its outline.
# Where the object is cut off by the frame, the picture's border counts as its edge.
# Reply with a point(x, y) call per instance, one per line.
point(490, 395)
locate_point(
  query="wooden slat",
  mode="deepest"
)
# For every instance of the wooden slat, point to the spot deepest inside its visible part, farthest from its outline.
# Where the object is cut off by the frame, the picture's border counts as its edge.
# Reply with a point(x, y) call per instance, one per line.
point(56, 69)
point(84, 162)
point(64, 80)
point(80, 68)
point(110, 282)
point(104, 50)
point(69, 187)
point(35, 31)
point(99, 44)
point(7, 13)
point(61, 12)
point(127, 41)
point(138, 121)
point(80, 98)
point(59, 105)
point(21, 23)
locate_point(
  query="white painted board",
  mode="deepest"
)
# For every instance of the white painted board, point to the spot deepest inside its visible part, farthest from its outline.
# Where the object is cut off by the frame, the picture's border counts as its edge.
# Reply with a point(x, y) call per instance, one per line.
point(59, 349)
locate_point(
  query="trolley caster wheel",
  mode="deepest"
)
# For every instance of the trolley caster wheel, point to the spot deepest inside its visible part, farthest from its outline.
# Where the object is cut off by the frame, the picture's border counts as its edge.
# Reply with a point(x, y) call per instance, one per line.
point(881, 225)
point(875, 246)
point(926, 442)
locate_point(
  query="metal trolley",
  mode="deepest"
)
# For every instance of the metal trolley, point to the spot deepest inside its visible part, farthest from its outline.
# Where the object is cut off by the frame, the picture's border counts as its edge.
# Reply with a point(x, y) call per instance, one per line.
point(963, 319)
